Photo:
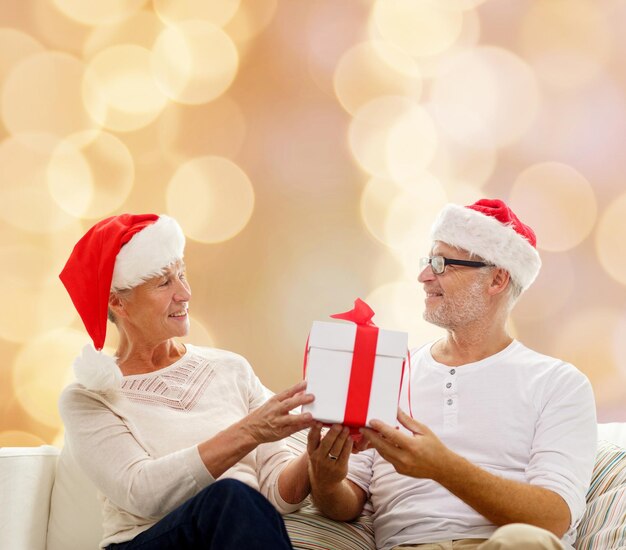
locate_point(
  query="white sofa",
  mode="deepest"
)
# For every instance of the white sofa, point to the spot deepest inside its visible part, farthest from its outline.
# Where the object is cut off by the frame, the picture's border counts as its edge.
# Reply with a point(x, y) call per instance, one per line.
point(46, 503)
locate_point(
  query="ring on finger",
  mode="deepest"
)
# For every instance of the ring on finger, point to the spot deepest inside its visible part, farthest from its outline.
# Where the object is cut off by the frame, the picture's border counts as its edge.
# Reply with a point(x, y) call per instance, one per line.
point(332, 456)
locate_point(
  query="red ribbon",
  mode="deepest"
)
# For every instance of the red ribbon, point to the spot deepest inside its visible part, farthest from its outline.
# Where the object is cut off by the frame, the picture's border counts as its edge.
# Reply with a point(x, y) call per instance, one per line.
point(363, 359)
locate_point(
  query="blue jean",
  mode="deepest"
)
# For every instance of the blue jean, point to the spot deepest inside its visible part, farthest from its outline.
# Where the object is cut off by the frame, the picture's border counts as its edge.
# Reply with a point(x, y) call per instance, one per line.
point(226, 515)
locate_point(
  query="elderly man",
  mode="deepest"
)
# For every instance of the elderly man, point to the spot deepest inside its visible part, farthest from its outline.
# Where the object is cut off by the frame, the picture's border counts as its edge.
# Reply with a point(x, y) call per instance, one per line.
point(499, 447)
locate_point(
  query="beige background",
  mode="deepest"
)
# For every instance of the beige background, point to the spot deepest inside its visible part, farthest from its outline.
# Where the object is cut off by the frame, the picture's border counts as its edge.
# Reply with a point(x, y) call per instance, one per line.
point(305, 146)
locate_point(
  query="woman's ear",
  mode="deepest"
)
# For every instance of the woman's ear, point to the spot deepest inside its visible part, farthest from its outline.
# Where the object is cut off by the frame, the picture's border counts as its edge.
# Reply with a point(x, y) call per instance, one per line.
point(116, 304)
point(500, 281)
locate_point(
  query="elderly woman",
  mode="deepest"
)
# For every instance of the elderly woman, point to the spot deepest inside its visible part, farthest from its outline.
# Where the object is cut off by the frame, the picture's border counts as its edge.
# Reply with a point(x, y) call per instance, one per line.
point(181, 441)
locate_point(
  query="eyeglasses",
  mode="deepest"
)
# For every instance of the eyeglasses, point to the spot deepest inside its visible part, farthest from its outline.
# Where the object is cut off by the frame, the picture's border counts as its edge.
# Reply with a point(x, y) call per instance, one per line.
point(439, 263)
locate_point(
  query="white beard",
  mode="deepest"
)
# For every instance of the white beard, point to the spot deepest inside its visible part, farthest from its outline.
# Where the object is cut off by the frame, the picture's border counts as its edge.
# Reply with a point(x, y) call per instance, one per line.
point(468, 305)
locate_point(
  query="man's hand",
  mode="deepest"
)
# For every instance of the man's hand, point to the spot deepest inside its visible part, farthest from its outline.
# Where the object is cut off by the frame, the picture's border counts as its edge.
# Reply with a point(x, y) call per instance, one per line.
point(420, 455)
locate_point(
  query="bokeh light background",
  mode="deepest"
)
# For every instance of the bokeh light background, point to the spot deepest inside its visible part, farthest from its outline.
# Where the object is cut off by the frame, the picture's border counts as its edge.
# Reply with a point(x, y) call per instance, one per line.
point(305, 147)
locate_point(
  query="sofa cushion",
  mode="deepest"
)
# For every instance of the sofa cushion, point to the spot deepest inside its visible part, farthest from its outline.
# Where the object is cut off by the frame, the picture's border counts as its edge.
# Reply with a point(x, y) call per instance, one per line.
point(26, 478)
point(309, 530)
point(603, 526)
point(75, 517)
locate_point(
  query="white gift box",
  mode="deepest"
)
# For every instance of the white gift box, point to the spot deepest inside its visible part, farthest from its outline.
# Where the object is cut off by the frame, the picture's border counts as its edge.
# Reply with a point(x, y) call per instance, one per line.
point(328, 368)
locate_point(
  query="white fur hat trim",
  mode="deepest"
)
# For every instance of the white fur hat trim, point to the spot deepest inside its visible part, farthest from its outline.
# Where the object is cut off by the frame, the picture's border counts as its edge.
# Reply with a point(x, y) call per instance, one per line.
point(96, 370)
point(485, 236)
point(149, 251)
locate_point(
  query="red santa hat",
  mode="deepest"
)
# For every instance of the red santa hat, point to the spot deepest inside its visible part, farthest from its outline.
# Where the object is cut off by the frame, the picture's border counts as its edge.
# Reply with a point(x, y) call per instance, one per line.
point(490, 229)
point(117, 253)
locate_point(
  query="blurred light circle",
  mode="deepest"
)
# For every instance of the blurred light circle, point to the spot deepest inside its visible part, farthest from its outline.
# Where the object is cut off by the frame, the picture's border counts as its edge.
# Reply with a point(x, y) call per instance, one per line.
point(369, 70)
point(486, 91)
point(400, 216)
point(142, 29)
point(369, 132)
point(585, 339)
point(19, 438)
point(52, 248)
point(433, 66)
point(461, 125)
point(15, 46)
point(194, 61)
point(69, 179)
point(376, 200)
point(611, 239)
point(557, 202)
point(329, 30)
point(24, 159)
point(409, 219)
point(91, 174)
point(98, 12)
point(30, 265)
point(420, 28)
point(41, 370)
point(411, 144)
point(460, 191)
point(119, 90)
point(400, 306)
point(53, 27)
point(33, 290)
point(551, 291)
point(411, 213)
point(568, 42)
point(188, 131)
point(218, 12)
point(42, 94)
point(469, 4)
point(212, 199)
point(456, 162)
point(252, 17)
point(584, 129)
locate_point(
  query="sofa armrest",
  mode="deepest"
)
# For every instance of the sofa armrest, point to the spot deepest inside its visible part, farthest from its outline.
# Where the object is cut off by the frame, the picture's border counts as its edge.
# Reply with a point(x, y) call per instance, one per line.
point(26, 479)
point(615, 432)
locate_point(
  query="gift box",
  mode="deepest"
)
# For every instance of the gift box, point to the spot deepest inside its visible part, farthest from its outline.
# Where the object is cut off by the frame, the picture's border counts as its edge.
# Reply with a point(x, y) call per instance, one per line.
point(354, 369)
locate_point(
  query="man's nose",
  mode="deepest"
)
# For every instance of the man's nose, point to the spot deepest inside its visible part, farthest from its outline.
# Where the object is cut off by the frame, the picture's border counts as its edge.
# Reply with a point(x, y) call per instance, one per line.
point(427, 274)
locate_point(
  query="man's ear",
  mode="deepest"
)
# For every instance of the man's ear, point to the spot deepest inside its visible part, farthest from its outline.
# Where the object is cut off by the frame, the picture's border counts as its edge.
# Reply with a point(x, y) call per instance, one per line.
point(116, 303)
point(499, 281)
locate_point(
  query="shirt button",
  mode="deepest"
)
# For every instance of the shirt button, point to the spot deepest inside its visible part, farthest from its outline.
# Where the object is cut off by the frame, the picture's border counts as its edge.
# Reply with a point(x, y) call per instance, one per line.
point(450, 401)
point(449, 385)
point(452, 371)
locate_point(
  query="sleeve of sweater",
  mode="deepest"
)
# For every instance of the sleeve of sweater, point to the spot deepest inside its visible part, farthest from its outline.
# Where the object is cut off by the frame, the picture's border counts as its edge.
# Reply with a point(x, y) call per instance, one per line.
point(271, 458)
point(117, 463)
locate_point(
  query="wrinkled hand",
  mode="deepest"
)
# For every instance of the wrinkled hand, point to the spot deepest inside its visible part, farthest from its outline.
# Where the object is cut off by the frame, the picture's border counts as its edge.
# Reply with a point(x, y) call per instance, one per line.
point(420, 455)
point(323, 469)
point(272, 421)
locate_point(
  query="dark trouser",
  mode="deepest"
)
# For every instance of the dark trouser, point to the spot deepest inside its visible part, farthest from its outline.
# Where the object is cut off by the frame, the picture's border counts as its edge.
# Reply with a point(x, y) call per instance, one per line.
point(226, 515)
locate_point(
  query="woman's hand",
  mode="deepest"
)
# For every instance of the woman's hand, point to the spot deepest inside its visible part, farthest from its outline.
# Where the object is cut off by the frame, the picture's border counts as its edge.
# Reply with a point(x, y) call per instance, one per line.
point(272, 421)
point(328, 456)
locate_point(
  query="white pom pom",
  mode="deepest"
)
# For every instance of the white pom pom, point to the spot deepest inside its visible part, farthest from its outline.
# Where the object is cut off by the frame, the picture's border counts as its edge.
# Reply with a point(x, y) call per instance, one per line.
point(96, 370)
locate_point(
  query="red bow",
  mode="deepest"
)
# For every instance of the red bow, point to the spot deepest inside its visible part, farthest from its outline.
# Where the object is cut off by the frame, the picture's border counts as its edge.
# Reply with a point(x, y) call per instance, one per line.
point(361, 314)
